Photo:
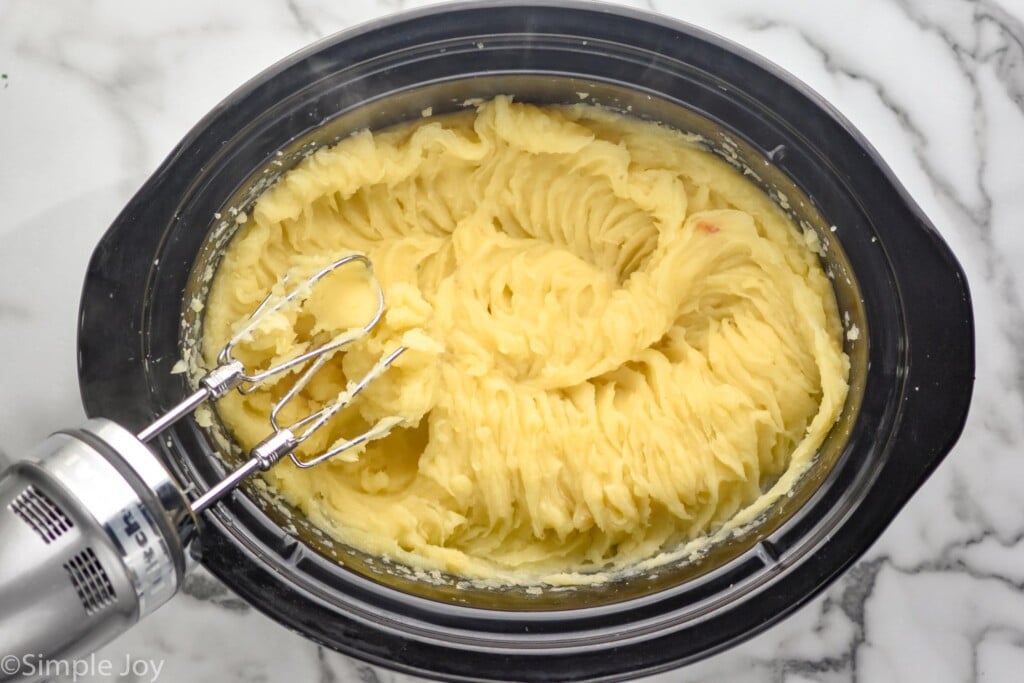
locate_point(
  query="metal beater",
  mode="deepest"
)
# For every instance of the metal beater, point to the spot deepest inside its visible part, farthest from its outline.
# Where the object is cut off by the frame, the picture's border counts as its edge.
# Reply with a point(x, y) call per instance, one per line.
point(93, 528)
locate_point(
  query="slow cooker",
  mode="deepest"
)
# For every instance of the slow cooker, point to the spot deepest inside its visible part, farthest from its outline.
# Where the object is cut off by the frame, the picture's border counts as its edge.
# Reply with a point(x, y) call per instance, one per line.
point(895, 280)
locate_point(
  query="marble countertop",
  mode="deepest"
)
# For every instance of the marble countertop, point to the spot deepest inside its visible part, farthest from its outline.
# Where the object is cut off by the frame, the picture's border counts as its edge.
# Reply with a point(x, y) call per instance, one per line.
point(94, 95)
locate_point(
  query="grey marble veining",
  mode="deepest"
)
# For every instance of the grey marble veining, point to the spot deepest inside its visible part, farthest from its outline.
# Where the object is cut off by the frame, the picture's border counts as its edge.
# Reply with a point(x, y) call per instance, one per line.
point(98, 93)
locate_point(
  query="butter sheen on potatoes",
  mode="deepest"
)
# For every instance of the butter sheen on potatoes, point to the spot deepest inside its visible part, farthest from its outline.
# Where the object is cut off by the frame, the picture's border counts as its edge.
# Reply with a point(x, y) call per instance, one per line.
point(617, 342)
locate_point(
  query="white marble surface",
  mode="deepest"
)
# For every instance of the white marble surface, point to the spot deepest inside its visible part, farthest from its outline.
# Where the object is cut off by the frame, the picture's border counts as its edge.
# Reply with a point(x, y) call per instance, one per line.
point(97, 93)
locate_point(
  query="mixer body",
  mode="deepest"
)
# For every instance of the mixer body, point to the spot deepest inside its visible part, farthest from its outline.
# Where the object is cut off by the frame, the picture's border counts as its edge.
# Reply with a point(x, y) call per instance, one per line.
point(93, 531)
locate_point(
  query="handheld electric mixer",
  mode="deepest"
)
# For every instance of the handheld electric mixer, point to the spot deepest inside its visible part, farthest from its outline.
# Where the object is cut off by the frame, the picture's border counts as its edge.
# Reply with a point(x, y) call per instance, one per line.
point(93, 528)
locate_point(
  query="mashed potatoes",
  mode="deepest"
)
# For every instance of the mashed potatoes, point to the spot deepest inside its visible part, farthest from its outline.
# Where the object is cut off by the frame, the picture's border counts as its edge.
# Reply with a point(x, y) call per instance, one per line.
point(617, 343)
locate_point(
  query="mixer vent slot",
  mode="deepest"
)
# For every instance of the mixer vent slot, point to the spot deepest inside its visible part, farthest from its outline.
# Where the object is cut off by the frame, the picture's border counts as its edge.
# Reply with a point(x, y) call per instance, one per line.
point(41, 513)
point(92, 583)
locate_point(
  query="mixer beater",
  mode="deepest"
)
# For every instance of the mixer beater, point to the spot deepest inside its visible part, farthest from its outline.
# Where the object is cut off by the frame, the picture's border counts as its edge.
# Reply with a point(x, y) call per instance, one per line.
point(94, 529)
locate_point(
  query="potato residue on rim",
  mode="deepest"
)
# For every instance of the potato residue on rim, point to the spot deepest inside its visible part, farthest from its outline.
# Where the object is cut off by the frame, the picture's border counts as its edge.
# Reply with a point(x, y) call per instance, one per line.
point(617, 342)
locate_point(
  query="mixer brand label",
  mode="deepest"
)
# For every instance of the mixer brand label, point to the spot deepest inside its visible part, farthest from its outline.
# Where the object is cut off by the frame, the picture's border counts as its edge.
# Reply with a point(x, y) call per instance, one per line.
point(146, 555)
point(133, 529)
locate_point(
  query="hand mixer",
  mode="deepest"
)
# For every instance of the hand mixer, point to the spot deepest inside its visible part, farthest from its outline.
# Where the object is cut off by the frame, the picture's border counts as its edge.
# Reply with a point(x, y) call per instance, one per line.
point(93, 528)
